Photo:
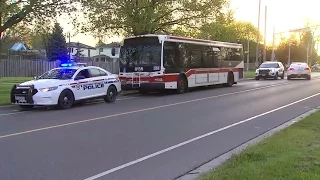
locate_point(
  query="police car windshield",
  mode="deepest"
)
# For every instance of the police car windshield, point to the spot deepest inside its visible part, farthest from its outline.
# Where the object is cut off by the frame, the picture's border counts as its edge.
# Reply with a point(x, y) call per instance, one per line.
point(61, 73)
point(269, 65)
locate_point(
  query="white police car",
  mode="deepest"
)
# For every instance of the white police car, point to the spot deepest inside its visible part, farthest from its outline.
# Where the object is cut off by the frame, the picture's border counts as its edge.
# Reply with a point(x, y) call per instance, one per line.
point(270, 69)
point(65, 85)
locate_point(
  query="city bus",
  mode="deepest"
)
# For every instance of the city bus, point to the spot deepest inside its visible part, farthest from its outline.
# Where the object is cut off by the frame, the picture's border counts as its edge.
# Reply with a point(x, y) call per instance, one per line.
point(164, 62)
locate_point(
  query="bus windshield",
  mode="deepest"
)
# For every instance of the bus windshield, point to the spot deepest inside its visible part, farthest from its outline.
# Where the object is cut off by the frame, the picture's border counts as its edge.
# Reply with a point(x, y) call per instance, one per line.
point(269, 65)
point(140, 54)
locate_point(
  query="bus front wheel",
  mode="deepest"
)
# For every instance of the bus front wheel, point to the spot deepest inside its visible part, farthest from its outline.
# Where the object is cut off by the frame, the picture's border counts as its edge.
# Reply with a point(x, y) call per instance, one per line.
point(182, 85)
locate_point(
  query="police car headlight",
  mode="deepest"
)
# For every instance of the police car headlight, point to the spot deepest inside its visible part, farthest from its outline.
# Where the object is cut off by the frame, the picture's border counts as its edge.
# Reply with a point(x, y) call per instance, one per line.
point(49, 89)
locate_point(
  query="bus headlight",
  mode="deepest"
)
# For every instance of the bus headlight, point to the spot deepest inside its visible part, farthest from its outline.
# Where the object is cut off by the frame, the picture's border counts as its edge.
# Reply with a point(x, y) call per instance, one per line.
point(48, 89)
point(158, 79)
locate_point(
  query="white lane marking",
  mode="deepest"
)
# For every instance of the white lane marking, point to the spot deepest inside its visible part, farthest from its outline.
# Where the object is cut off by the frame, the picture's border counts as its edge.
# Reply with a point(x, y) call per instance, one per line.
point(131, 112)
point(6, 106)
point(97, 102)
point(194, 139)
point(7, 114)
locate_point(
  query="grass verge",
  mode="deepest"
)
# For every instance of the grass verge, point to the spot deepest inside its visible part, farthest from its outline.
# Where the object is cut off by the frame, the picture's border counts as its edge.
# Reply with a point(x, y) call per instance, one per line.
point(249, 74)
point(291, 154)
point(6, 84)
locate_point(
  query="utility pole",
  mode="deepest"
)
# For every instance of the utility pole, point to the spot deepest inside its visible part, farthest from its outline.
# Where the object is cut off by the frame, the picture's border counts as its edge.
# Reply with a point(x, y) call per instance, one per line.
point(273, 38)
point(69, 47)
point(258, 33)
point(265, 36)
point(308, 47)
point(312, 47)
point(289, 56)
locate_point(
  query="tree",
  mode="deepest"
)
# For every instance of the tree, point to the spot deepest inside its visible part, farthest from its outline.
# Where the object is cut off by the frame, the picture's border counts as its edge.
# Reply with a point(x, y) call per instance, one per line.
point(57, 46)
point(40, 36)
point(148, 16)
point(218, 32)
point(78, 53)
point(99, 43)
point(18, 33)
point(31, 11)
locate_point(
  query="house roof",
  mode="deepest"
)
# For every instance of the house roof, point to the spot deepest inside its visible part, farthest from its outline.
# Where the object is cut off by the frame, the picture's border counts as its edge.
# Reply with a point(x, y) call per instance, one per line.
point(113, 44)
point(19, 47)
point(78, 44)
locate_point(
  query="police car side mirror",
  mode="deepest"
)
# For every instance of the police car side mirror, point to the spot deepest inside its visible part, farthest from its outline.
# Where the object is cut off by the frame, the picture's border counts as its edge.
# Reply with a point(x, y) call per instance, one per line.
point(113, 51)
point(79, 78)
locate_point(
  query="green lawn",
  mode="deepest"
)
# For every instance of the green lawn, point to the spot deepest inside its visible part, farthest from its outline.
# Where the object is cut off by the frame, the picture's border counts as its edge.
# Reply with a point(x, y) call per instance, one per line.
point(249, 74)
point(6, 84)
point(291, 154)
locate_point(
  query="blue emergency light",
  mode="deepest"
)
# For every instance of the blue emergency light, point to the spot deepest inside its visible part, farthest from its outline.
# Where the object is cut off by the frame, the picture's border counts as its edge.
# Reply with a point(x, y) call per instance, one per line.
point(66, 65)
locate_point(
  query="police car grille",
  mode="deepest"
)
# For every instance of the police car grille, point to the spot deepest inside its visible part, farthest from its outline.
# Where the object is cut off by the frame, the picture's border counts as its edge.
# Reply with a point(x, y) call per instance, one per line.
point(24, 91)
point(264, 71)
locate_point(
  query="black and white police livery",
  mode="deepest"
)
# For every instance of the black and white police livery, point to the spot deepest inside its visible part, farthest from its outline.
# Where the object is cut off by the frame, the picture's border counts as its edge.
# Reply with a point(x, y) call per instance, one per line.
point(65, 85)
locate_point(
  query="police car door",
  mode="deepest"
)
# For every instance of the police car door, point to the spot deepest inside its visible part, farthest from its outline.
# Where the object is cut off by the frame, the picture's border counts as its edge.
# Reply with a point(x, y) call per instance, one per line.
point(80, 84)
point(97, 85)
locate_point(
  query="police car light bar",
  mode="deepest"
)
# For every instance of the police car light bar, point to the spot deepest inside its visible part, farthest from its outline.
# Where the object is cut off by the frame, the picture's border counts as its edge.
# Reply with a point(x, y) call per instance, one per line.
point(66, 65)
point(82, 64)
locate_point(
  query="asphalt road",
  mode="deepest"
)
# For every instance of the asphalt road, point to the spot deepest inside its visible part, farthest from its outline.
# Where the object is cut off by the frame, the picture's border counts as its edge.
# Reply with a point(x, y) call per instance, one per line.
point(150, 137)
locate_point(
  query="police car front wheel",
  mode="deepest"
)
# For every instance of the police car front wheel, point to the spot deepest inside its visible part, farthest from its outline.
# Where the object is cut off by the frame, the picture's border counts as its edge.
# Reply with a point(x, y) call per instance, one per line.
point(111, 94)
point(66, 99)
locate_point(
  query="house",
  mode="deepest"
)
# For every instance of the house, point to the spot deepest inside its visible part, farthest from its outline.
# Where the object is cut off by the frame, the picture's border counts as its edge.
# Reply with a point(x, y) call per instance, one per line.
point(103, 51)
point(80, 50)
point(20, 51)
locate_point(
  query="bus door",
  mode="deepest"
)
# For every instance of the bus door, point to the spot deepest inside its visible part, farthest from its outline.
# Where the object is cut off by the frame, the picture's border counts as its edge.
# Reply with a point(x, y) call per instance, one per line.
point(136, 79)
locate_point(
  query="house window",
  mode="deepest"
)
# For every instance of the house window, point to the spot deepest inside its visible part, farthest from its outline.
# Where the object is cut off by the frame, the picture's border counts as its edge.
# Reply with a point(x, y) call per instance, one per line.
point(117, 51)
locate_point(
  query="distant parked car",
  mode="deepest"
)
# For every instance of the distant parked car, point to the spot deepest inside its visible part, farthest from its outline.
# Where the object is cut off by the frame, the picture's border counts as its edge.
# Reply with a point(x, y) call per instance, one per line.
point(299, 70)
point(270, 69)
point(316, 67)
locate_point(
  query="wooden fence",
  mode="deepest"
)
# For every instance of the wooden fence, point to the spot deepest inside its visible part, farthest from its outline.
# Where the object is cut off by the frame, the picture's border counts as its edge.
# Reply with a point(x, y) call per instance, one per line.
point(30, 68)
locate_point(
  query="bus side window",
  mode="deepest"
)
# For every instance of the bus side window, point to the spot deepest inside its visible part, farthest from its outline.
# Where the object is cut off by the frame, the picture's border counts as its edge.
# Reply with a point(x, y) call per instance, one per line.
point(195, 56)
point(209, 60)
point(172, 60)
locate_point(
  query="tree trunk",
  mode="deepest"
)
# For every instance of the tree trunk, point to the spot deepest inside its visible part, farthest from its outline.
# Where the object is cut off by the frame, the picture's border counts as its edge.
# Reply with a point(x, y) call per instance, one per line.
point(0, 35)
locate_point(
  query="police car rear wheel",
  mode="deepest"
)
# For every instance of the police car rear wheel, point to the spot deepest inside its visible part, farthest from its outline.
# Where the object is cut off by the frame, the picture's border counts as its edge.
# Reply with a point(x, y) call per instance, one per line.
point(111, 94)
point(66, 99)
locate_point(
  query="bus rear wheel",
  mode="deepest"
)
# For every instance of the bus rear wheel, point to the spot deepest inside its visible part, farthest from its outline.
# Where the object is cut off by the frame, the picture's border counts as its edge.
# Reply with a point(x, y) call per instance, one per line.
point(182, 85)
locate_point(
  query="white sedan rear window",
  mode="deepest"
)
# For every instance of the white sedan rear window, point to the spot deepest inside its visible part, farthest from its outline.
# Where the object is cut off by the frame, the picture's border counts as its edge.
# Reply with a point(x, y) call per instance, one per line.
point(298, 65)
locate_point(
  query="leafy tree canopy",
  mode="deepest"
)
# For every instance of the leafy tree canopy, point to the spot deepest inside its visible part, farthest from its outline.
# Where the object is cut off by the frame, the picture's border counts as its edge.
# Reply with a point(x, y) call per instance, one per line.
point(136, 17)
point(14, 11)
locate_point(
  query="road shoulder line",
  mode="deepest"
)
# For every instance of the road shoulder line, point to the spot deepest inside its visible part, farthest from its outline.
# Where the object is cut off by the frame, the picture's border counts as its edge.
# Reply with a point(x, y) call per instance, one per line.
point(211, 165)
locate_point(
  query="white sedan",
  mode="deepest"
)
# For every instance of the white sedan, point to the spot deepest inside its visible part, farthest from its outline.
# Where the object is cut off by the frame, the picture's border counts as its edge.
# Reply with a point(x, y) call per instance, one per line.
point(65, 85)
point(299, 70)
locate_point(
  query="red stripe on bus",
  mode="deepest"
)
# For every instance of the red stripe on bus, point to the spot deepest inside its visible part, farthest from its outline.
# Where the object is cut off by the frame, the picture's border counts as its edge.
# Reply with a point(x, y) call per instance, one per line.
point(174, 77)
point(186, 39)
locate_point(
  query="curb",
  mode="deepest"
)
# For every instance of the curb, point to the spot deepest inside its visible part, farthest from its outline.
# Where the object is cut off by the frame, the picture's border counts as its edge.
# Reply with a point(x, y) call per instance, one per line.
point(209, 166)
point(128, 92)
point(246, 79)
